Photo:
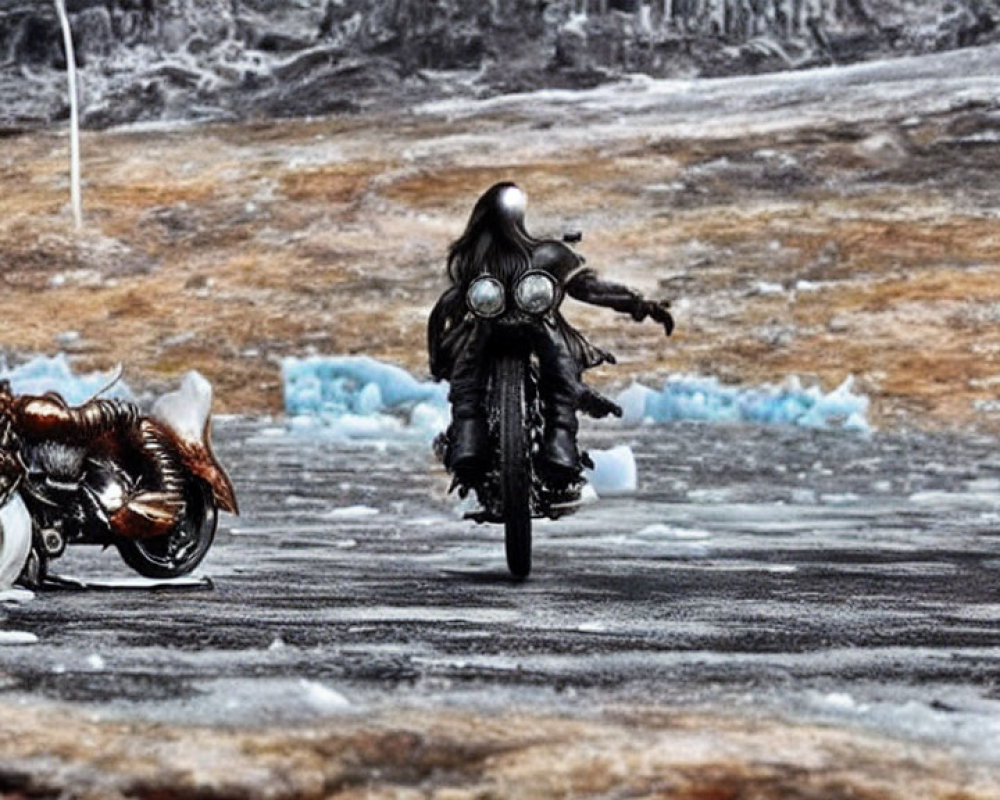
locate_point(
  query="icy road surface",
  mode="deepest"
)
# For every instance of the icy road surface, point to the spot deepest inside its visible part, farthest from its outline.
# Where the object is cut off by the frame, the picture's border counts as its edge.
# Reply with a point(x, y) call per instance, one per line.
point(820, 576)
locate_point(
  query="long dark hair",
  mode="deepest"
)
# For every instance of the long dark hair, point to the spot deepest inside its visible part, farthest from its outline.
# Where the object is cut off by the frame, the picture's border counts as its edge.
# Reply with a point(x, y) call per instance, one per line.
point(495, 241)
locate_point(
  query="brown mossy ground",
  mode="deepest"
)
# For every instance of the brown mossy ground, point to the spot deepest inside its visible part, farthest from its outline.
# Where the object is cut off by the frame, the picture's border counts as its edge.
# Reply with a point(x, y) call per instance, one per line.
point(224, 248)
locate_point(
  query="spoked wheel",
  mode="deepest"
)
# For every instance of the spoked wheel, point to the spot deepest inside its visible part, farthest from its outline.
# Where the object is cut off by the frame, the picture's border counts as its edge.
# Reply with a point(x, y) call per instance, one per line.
point(181, 550)
point(515, 462)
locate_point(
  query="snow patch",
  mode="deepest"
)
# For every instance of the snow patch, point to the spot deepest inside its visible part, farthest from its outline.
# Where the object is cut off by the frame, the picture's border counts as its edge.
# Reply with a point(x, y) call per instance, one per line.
point(16, 597)
point(350, 512)
point(837, 701)
point(96, 662)
point(17, 638)
point(251, 701)
point(322, 698)
point(765, 288)
point(660, 531)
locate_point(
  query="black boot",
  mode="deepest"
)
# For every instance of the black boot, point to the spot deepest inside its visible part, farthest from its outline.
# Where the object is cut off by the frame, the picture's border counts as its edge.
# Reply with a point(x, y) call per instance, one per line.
point(469, 446)
point(559, 452)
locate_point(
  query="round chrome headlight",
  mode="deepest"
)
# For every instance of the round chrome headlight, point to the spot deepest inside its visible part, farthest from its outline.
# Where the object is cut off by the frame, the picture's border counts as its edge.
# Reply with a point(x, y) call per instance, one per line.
point(535, 292)
point(485, 297)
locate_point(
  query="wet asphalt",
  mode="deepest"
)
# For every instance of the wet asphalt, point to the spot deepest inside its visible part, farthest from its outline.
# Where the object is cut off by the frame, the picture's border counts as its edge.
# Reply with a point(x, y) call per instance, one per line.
point(815, 575)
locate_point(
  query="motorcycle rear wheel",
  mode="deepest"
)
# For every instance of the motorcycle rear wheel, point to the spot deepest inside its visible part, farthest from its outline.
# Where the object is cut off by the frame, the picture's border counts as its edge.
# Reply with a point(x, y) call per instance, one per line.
point(180, 551)
point(515, 462)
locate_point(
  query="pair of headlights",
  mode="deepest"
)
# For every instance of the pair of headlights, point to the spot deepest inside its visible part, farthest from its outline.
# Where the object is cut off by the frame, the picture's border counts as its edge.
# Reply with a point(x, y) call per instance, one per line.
point(534, 293)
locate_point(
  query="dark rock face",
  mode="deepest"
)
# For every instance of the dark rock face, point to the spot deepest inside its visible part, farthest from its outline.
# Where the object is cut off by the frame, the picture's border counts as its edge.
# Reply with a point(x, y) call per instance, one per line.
point(165, 59)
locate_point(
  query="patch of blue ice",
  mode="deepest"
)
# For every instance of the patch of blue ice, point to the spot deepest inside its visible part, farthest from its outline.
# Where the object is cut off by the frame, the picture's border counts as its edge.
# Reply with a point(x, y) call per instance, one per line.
point(357, 397)
point(614, 471)
point(689, 397)
point(54, 374)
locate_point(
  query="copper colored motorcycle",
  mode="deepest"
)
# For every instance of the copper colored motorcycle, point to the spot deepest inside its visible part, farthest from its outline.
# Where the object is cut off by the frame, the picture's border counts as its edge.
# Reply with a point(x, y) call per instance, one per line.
point(106, 474)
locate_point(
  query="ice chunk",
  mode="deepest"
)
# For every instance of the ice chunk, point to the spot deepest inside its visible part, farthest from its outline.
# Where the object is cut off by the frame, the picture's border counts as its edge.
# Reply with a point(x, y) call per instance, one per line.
point(614, 471)
point(186, 411)
point(53, 374)
point(430, 418)
point(342, 383)
point(357, 397)
point(633, 403)
point(689, 397)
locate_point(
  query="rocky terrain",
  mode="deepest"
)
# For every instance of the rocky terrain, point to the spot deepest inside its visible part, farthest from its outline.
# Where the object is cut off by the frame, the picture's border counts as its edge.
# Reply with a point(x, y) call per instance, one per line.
point(234, 59)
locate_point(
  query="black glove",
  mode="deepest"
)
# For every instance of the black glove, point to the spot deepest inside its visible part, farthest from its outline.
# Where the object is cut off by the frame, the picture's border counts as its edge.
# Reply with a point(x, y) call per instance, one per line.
point(597, 405)
point(656, 310)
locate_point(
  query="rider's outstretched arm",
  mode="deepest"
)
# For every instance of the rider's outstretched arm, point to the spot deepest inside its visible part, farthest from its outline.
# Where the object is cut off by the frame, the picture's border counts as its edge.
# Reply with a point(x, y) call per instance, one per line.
point(587, 287)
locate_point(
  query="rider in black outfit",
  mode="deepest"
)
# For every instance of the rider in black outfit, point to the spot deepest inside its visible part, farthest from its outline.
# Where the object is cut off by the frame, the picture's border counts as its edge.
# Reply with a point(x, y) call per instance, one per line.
point(496, 243)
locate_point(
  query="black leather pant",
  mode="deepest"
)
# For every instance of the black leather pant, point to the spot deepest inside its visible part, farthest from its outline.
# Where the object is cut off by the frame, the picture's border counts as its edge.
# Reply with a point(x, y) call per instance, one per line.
point(559, 374)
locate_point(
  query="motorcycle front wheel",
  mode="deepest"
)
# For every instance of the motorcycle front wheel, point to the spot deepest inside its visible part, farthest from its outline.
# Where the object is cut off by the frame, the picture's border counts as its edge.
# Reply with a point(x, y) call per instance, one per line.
point(515, 461)
point(180, 551)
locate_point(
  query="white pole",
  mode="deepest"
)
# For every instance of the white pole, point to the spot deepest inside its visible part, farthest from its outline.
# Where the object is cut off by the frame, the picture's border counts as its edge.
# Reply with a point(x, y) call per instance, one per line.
point(74, 118)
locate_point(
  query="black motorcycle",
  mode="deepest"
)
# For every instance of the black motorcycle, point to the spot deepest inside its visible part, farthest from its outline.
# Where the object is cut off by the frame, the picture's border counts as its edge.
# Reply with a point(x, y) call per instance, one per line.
point(518, 485)
point(515, 366)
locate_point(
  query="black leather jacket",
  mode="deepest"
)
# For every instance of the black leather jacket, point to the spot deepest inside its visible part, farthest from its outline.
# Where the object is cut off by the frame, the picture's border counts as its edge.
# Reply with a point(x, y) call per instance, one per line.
point(451, 323)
